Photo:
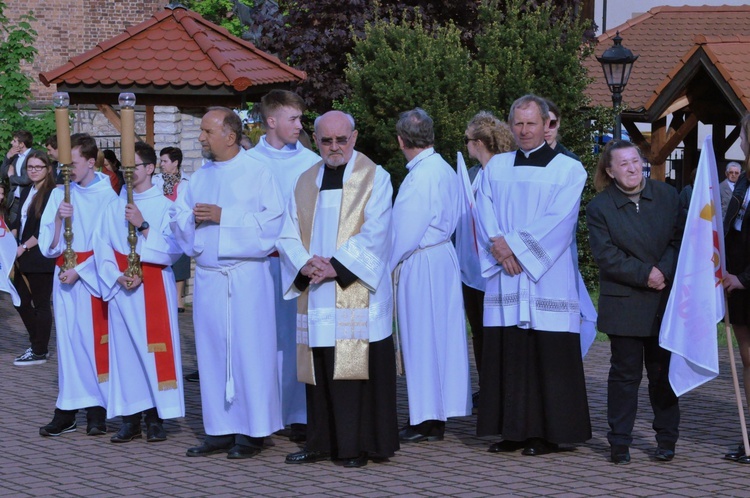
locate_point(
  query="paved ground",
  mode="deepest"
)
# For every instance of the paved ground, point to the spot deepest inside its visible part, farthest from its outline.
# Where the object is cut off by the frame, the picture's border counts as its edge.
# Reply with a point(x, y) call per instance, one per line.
point(77, 465)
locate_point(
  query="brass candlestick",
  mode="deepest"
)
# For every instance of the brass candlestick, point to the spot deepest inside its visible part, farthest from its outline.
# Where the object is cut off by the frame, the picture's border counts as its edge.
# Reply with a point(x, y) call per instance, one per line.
point(61, 100)
point(127, 147)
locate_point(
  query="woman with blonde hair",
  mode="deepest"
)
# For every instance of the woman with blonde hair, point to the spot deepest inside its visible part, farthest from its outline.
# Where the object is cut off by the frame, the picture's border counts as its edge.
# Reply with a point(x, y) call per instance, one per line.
point(485, 137)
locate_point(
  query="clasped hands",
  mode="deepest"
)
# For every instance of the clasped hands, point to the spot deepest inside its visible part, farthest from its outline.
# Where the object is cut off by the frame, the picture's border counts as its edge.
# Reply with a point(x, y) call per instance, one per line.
point(129, 283)
point(318, 269)
point(503, 254)
point(206, 212)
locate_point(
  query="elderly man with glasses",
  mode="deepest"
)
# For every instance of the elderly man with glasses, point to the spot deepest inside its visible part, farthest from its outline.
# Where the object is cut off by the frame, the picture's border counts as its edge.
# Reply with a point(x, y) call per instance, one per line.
point(726, 187)
point(335, 248)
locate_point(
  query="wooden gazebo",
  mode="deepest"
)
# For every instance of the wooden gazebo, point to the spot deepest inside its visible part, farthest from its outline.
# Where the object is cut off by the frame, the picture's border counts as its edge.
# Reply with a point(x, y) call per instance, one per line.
point(691, 66)
point(175, 58)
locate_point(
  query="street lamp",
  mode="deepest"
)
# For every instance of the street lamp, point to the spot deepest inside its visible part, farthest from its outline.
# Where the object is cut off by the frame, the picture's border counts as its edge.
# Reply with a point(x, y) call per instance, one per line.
point(617, 62)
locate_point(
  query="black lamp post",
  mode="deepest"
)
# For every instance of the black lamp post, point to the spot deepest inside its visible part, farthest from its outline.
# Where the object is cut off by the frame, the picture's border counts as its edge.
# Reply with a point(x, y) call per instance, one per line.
point(617, 62)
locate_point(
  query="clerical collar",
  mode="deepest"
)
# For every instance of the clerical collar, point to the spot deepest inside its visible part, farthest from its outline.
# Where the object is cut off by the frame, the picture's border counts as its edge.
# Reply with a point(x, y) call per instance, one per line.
point(420, 157)
point(333, 178)
point(541, 156)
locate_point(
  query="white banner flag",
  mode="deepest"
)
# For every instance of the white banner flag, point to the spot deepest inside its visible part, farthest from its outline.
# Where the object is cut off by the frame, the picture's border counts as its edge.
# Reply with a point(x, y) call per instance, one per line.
point(696, 301)
point(466, 231)
point(8, 248)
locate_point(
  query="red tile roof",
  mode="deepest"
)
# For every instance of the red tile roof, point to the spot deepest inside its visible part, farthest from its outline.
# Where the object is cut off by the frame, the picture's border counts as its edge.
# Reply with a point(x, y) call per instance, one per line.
point(175, 48)
point(664, 38)
point(730, 55)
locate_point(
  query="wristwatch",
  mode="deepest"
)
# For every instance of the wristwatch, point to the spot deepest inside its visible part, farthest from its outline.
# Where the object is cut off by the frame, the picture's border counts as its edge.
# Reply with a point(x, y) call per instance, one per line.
point(24, 247)
point(144, 226)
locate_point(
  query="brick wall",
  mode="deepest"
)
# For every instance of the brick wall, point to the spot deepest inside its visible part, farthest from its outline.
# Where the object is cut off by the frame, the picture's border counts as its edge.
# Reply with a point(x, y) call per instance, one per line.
point(67, 28)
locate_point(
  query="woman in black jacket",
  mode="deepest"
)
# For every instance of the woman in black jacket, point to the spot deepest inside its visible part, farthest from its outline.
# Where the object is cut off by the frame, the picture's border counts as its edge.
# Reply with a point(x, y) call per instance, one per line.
point(635, 230)
point(34, 272)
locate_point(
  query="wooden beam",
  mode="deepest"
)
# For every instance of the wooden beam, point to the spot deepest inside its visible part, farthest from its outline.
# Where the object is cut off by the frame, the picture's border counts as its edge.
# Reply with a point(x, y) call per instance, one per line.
point(677, 120)
point(636, 136)
point(690, 158)
point(661, 155)
point(150, 125)
point(114, 118)
point(111, 116)
point(658, 138)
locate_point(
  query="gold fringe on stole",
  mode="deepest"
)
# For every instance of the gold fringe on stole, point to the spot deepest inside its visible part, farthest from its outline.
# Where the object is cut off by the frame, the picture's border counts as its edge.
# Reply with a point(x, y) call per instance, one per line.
point(351, 354)
point(103, 378)
point(158, 347)
point(167, 385)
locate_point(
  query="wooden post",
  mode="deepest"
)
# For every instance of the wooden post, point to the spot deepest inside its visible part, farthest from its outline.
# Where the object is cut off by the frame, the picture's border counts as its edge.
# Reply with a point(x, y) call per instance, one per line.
point(658, 139)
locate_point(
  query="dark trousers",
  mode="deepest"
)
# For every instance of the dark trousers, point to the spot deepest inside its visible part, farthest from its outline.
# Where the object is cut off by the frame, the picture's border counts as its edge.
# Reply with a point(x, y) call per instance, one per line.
point(35, 309)
point(347, 418)
point(474, 306)
point(625, 374)
point(151, 416)
point(229, 440)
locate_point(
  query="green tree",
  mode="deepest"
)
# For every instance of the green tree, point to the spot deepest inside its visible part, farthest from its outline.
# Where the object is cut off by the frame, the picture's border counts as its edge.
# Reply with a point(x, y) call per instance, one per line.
point(17, 47)
point(219, 12)
point(395, 67)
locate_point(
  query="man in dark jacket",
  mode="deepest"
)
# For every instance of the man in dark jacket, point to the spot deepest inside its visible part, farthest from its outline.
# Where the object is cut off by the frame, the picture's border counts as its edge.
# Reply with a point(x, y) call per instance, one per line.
point(14, 169)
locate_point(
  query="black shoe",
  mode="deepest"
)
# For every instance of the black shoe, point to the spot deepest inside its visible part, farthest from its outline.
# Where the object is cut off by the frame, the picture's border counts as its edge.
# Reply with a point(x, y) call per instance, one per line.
point(305, 456)
point(298, 433)
point(206, 449)
point(620, 454)
point(128, 431)
point(180, 310)
point(736, 454)
point(664, 454)
point(506, 446)
point(96, 428)
point(239, 451)
point(538, 446)
point(155, 433)
point(410, 435)
point(357, 462)
point(58, 426)
point(193, 377)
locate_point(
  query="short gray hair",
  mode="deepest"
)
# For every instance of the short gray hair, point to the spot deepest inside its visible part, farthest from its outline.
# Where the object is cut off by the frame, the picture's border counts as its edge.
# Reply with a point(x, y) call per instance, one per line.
point(733, 163)
point(524, 102)
point(415, 129)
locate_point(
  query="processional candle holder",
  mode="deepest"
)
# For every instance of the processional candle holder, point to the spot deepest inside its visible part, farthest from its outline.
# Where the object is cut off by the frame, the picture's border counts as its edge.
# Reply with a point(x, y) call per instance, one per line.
point(127, 148)
point(61, 101)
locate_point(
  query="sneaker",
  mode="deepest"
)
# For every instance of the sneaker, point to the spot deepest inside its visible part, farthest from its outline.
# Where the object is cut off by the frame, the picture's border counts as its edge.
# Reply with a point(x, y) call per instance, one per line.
point(57, 426)
point(24, 354)
point(29, 358)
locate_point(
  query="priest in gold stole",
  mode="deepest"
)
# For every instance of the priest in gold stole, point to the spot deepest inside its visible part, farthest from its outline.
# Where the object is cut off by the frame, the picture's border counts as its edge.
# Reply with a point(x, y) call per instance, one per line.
point(335, 248)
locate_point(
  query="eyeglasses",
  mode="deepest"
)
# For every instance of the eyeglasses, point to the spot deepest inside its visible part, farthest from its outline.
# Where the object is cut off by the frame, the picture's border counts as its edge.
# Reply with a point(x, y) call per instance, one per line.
point(467, 140)
point(140, 164)
point(35, 168)
point(328, 141)
point(552, 124)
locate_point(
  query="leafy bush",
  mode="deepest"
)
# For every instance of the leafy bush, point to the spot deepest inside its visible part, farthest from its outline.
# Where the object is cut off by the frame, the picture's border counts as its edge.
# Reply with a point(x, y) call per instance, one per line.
point(16, 47)
point(398, 66)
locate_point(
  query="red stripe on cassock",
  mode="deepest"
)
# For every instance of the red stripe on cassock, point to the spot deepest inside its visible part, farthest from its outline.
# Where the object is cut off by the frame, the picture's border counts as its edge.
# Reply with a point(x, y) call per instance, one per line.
point(99, 309)
point(158, 329)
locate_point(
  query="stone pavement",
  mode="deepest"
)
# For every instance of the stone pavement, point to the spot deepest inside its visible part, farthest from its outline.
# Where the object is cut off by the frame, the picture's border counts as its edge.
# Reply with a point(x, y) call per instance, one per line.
point(77, 465)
